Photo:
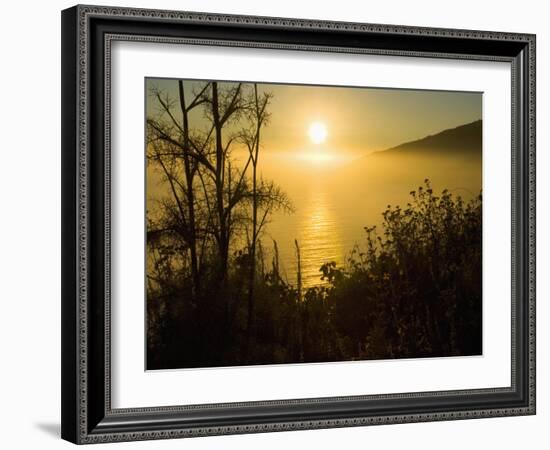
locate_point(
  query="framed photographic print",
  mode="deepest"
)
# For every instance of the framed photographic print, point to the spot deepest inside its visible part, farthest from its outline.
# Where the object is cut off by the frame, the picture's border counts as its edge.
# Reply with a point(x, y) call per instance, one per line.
point(280, 224)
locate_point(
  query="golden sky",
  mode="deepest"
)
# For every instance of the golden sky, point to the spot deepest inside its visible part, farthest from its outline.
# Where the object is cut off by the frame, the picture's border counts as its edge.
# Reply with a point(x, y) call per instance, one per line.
point(356, 120)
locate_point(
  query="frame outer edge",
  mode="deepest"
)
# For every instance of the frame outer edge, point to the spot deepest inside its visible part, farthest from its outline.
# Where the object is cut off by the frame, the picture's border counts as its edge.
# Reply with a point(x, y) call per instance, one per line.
point(532, 143)
point(294, 23)
point(69, 289)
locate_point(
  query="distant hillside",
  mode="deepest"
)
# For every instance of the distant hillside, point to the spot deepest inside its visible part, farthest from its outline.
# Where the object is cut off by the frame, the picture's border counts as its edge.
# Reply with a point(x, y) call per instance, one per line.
point(463, 139)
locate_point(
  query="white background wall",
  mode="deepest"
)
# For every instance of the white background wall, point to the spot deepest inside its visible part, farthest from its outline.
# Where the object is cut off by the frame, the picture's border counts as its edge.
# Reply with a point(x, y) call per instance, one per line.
point(30, 223)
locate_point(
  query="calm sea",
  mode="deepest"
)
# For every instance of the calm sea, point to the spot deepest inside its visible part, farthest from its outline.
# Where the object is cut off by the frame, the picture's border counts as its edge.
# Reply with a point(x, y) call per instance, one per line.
point(334, 202)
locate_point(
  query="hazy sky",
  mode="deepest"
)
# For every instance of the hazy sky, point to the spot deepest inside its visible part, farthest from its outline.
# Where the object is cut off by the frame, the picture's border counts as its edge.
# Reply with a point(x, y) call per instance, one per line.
point(357, 120)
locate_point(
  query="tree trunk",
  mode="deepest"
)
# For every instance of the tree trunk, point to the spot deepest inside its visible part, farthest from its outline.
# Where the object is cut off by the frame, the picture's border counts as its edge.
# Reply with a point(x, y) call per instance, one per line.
point(223, 237)
point(252, 252)
point(189, 176)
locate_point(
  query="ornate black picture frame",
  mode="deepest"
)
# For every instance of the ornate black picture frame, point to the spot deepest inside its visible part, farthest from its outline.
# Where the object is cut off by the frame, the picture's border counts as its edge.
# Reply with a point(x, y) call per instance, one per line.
point(87, 414)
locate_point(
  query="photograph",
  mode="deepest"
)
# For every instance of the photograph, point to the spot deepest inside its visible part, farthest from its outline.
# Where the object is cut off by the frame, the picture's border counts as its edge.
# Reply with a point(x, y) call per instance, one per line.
point(291, 223)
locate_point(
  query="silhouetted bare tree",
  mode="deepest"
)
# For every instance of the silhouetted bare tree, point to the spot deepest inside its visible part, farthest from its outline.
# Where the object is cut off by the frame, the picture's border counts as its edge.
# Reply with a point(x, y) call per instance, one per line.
point(211, 200)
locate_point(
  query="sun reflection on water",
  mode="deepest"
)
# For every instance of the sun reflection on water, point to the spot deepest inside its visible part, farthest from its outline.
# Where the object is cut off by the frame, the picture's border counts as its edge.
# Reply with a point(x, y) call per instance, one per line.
point(318, 237)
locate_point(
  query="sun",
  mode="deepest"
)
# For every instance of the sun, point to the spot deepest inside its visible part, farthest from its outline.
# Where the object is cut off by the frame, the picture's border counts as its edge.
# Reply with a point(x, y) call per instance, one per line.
point(317, 132)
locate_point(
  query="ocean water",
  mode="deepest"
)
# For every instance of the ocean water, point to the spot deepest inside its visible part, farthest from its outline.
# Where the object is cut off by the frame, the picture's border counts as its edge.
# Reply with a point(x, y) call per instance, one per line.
point(334, 202)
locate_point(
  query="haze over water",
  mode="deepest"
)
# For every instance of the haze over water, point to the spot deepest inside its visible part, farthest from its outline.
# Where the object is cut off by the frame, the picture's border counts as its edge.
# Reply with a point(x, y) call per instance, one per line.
point(334, 202)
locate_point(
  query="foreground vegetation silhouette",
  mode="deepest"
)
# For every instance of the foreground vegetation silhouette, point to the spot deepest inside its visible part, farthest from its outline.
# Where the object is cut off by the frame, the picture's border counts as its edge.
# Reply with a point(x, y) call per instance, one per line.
point(413, 290)
point(214, 296)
